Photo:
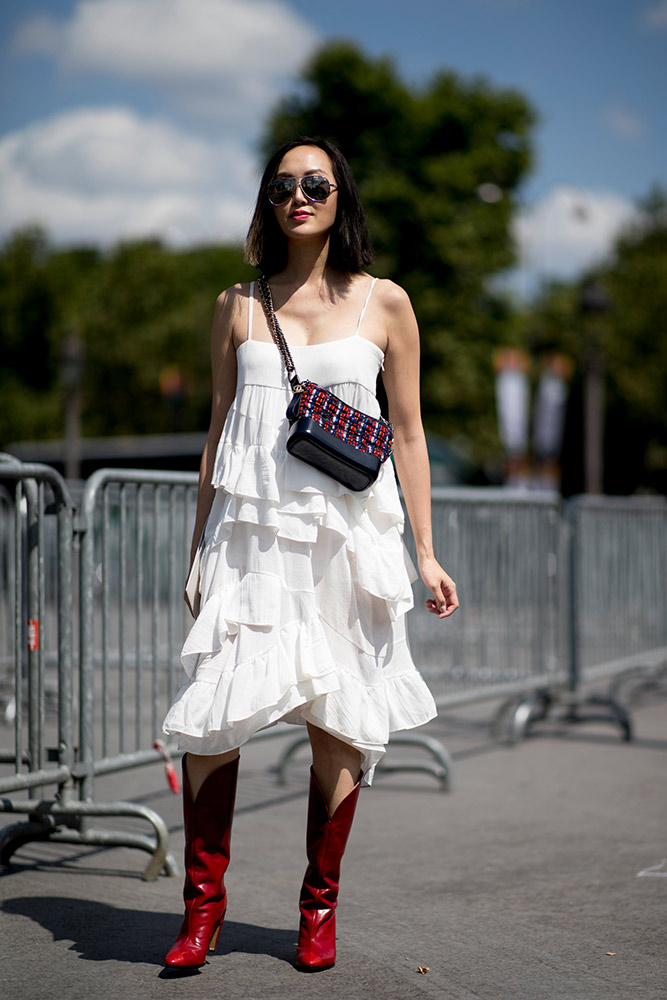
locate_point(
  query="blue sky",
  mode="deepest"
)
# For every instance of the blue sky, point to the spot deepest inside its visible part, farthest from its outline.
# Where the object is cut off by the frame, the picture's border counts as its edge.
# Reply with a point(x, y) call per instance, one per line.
point(127, 117)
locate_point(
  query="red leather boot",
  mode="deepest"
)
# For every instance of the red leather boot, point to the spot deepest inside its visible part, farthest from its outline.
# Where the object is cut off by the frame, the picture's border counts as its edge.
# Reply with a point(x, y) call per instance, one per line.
point(326, 837)
point(208, 825)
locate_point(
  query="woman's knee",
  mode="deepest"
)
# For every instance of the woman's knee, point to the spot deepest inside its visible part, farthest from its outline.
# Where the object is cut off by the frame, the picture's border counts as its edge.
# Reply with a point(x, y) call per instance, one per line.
point(330, 748)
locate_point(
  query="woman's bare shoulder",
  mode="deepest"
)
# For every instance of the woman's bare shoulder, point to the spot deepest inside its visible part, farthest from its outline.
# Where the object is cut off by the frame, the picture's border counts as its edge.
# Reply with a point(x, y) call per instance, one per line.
point(234, 298)
point(391, 296)
point(395, 303)
point(230, 316)
point(231, 309)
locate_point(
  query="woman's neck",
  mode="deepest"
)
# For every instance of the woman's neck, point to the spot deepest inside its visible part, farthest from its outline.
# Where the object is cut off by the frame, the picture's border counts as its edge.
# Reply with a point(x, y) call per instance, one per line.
point(306, 262)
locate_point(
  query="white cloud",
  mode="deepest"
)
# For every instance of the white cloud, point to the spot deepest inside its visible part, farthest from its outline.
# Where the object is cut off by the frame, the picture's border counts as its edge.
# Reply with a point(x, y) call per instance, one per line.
point(569, 230)
point(623, 122)
point(98, 174)
point(656, 16)
point(223, 59)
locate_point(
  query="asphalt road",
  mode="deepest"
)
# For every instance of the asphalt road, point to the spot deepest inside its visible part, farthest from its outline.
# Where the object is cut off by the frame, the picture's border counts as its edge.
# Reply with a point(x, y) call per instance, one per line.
point(540, 877)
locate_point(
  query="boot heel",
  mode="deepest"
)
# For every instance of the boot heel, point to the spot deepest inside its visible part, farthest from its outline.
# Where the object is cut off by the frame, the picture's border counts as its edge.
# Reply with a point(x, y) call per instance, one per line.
point(213, 943)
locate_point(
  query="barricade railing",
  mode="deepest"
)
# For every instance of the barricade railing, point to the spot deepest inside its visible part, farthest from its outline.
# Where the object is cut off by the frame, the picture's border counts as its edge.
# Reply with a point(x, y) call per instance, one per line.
point(617, 612)
point(550, 600)
point(33, 587)
point(619, 601)
point(619, 585)
point(36, 519)
point(135, 543)
point(508, 553)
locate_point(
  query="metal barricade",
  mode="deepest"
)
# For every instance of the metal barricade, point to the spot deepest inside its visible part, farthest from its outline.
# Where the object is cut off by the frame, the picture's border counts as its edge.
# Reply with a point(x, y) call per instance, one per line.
point(67, 818)
point(135, 533)
point(549, 601)
point(508, 553)
point(620, 588)
point(135, 543)
point(7, 585)
point(36, 517)
point(620, 585)
point(617, 619)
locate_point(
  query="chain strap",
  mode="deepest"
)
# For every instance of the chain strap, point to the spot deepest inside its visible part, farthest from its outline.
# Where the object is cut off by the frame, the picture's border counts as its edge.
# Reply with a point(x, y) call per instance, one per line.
point(277, 333)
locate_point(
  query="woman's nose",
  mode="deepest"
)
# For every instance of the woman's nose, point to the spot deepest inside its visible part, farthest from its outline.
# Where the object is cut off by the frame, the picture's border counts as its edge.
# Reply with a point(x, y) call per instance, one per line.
point(298, 198)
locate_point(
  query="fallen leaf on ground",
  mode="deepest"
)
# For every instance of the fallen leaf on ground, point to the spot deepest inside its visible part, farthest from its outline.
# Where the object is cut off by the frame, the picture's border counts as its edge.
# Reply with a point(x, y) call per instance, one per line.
point(423, 969)
point(611, 952)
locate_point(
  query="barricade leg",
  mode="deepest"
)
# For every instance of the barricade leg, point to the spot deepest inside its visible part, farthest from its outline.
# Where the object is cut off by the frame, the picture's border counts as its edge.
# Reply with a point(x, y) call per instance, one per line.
point(62, 823)
point(633, 686)
point(440, 768)
point(515, 719)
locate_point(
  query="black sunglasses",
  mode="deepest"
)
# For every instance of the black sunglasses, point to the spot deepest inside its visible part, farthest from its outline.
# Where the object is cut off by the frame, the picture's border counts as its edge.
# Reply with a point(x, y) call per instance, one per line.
point(315, 187)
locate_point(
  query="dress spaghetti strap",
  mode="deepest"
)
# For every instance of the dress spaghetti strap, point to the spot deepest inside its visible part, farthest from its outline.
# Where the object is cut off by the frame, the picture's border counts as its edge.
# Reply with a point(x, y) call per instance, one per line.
point(363, 311)
point(251, 303)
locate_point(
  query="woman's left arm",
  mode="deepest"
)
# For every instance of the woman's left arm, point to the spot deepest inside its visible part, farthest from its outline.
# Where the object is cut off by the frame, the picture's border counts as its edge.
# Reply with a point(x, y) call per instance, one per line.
point(401, 382)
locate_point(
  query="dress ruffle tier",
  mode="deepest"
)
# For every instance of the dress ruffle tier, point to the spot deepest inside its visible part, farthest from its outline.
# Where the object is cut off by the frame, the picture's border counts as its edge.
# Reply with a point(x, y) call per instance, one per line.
point(304, 590)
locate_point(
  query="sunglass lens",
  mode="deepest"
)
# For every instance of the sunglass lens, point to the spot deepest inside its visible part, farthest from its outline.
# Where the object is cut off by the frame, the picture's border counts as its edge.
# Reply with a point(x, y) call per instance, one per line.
point(316, 188)
point(281, 190)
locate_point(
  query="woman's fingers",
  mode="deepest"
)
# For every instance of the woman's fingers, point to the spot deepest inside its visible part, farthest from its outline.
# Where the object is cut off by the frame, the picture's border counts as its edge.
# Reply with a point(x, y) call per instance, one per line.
point(445, 600)
point(441, 610)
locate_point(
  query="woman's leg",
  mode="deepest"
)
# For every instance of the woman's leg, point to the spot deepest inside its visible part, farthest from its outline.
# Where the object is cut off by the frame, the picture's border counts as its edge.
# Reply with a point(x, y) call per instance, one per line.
point(199, 767)
point(209, 791)
point(336, 765)
point(334, 788)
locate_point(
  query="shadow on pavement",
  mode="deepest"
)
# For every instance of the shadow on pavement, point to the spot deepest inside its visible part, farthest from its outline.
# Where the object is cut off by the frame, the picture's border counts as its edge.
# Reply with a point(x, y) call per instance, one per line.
point(100, 932)
point(26, 861)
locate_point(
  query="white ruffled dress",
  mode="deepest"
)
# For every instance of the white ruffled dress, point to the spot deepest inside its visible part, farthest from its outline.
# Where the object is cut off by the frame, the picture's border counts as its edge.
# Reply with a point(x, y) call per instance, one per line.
point(304, 584)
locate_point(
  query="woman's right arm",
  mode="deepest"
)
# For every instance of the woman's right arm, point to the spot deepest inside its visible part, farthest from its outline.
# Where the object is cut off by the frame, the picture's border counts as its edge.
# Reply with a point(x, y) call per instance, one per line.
point(226, 323)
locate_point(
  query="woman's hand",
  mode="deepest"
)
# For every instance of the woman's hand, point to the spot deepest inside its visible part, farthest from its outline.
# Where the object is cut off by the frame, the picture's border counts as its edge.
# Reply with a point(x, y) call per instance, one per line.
point(444, 602)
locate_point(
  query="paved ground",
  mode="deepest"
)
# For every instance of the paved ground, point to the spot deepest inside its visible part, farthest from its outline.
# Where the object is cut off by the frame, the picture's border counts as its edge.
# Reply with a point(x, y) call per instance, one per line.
point(515, 886)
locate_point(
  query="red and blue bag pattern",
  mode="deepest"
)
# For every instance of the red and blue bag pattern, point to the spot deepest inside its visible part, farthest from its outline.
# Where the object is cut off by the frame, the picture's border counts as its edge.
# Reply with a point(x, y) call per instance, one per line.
point(370, 434)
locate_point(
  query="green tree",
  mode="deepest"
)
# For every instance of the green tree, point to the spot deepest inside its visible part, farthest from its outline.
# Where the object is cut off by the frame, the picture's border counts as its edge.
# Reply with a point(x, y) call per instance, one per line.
point(437, 168)
point(636, 350)
point(632, 337)
point(143, 315)
point(28, 339)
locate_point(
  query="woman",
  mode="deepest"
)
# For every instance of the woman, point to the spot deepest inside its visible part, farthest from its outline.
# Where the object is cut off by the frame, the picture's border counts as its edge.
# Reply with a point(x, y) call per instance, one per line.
point(304, 584)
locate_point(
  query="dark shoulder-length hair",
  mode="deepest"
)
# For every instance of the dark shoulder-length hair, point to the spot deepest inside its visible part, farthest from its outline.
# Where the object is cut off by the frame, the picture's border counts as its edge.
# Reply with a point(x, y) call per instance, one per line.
point(350, 247)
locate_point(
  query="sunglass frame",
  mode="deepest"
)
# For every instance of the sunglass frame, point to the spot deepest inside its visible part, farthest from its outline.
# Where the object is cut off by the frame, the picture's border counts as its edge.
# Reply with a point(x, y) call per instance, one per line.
point(291, 188)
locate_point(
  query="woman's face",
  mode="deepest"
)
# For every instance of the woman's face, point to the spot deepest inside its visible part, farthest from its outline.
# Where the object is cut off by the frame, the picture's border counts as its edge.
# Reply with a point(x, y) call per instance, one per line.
point(300, 218)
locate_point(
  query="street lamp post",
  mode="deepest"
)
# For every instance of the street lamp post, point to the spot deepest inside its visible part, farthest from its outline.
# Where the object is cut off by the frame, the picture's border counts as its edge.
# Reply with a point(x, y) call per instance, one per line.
point(71, 372)
point(594, 304)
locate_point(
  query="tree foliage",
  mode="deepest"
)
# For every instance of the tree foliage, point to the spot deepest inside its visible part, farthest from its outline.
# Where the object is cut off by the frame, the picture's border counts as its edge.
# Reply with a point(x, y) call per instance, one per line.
point(142, 313)
point(632, 337)
point(437, 167)
point(430, 161)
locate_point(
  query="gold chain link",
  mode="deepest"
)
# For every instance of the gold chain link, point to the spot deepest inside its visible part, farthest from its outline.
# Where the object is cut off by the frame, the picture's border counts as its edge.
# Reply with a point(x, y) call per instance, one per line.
point(277, 333)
